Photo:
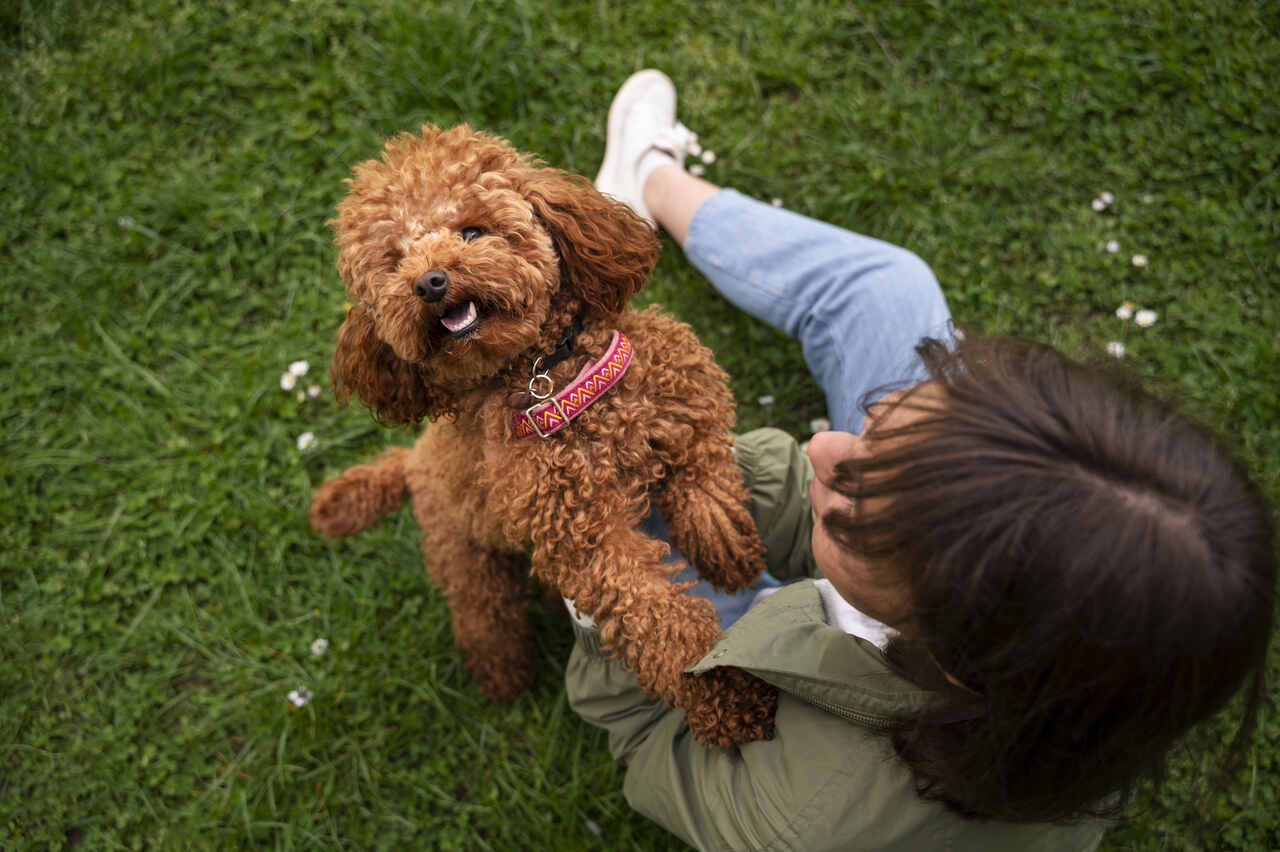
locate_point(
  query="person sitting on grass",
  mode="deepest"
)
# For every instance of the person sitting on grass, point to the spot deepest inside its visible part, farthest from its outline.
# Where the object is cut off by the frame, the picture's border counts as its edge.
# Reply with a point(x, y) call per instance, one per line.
point(1009, 582)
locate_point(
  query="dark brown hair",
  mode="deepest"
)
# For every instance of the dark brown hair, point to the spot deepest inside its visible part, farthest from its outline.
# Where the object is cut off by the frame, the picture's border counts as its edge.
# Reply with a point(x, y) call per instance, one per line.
point(1094, 568)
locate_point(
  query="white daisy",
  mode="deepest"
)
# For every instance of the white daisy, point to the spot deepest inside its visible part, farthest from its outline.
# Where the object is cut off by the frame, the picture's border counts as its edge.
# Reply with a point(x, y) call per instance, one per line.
point(1125, 311)
point(300, 697)
point(306, 441)
point(1107, 198)
point(319, 646)
point(1099, 205)
point(697, 170)
point(1139, 260)
point(313, 391)
point(287, 381)
point(299, 368)
point(1145, 318)
point(708, 156)
point(767, 399)
point(1115, 349)
point(819, 424)
point(1113, 246)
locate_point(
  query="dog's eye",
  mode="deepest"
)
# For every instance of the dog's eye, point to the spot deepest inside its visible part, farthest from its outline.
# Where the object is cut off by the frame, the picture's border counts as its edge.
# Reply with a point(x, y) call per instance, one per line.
point(470, 233)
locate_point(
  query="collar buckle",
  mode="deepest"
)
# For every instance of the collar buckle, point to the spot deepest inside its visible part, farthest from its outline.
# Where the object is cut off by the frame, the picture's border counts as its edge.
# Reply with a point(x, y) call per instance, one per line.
point(532, 421)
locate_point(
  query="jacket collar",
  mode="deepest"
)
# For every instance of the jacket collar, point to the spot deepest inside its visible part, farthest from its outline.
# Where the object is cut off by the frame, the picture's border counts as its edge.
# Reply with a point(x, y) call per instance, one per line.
point(785, 640)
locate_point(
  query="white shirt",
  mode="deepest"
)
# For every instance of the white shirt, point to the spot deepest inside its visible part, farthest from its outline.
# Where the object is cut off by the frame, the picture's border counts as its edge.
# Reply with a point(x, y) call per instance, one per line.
point(843, 615)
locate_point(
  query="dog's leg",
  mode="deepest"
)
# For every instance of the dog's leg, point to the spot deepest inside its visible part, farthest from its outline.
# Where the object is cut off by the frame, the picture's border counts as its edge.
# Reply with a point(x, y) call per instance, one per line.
point(727, 706)
point(658, 632)
point(488, 594)
point(704, 504)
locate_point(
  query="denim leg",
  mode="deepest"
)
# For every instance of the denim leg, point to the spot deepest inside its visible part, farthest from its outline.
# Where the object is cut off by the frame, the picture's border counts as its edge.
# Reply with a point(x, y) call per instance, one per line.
point(857, 305)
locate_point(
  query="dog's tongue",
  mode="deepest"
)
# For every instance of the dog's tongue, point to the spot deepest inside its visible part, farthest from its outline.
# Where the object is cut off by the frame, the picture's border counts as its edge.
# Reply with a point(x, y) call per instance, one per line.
point(459, 317)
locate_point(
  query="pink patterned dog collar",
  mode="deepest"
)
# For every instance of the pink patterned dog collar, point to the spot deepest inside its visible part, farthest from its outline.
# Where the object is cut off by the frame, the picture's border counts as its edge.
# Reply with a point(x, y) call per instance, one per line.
point(544, 418)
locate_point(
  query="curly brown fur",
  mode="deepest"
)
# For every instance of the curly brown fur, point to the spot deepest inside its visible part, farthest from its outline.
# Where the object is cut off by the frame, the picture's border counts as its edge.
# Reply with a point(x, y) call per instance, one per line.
point(354, 500)
point(533, 249)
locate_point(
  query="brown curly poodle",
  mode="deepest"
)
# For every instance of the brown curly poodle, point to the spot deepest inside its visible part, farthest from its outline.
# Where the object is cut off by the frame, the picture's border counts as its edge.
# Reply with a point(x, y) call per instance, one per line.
point(471, 267)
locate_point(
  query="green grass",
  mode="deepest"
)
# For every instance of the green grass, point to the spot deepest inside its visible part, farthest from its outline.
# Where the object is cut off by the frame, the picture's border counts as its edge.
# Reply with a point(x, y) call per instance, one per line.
point(168, 169)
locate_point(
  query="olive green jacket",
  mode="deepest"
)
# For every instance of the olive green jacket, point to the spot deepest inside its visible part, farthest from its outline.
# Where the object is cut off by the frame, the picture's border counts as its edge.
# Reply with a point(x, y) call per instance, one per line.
point(829, 779)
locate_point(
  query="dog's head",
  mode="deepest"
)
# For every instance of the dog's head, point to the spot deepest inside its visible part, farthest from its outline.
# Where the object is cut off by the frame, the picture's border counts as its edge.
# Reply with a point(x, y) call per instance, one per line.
point(461, 257)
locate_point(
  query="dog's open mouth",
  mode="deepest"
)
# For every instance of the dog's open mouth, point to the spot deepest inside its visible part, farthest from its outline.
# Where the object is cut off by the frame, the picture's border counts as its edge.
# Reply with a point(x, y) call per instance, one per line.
point(461, 319)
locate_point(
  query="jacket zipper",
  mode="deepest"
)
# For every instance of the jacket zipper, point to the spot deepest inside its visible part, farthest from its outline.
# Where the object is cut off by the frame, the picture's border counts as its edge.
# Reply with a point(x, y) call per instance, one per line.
point(880, 723)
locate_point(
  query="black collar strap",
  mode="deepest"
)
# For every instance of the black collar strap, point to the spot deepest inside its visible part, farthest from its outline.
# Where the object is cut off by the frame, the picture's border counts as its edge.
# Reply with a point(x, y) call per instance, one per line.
point(565, 347)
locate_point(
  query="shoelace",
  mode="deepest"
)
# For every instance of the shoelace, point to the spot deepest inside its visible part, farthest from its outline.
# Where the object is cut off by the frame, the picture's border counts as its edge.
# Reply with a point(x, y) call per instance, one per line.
point(676, 140)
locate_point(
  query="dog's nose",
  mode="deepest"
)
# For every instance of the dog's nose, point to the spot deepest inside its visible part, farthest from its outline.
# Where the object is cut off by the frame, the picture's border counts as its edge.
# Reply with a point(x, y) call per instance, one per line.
point(431, 285)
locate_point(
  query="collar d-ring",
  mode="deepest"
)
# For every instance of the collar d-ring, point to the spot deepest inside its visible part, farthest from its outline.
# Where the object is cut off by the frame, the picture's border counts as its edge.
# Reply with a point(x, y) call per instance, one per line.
point(550, 386)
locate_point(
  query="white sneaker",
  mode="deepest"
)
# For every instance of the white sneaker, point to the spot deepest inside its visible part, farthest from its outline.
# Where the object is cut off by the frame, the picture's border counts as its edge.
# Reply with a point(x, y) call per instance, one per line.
point(642, 134)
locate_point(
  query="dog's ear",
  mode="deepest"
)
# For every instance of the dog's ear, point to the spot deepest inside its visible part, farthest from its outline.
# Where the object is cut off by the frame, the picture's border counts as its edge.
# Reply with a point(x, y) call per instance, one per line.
point(607, 252)
point(393, 389)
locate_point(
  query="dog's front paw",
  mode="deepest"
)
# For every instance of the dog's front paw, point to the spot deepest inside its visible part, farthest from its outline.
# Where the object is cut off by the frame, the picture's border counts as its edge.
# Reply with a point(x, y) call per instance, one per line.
point(726, 706)
point(717, 535)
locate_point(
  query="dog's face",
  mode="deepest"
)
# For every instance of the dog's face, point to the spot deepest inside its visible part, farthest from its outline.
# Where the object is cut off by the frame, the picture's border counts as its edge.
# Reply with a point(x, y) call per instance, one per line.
point(440, 246)
point(461, 256)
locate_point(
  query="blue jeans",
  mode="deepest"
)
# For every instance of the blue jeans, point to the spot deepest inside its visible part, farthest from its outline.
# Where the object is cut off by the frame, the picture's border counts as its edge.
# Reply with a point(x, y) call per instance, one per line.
point(857, 305)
